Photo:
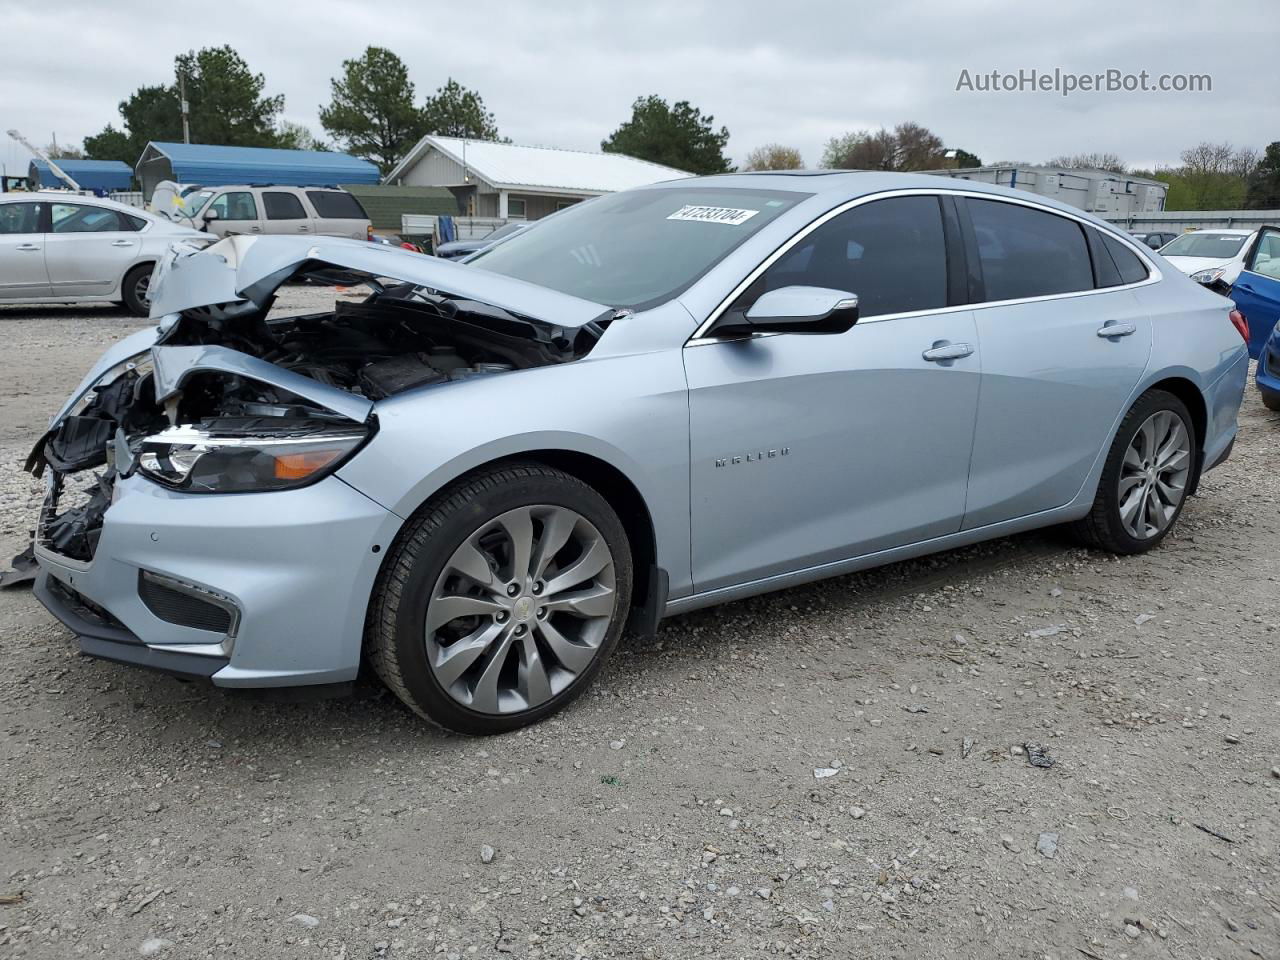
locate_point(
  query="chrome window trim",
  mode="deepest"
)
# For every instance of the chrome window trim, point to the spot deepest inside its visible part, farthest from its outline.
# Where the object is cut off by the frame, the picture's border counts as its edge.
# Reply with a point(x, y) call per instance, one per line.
point(1154, 274)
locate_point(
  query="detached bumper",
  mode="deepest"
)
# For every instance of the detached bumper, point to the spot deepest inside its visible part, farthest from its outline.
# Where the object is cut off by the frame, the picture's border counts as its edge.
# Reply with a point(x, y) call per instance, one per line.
point(290, 572)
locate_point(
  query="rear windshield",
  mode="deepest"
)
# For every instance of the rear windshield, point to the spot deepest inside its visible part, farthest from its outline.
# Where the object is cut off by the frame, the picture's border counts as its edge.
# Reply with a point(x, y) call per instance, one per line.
point(336, 205)
point(636, 249)
point(1221, 246)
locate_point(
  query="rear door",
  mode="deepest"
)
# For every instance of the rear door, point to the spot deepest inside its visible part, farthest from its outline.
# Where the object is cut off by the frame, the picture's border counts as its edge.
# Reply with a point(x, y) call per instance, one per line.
point(1061, 353)
point(23, 275)
point(1257, 290)
point(339, 214)
point(284, 213)
point(88, 249)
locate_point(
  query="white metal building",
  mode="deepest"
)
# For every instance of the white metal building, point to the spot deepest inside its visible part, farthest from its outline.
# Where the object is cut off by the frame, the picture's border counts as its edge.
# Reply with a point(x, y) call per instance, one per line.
point(1099, 191)
point(512, 182)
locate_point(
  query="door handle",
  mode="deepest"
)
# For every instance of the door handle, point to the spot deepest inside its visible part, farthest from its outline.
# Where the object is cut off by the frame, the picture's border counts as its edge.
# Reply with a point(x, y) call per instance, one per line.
point(255, 229)
point(122, 243)
point(942, 352)
point(28, 247)
point(1113, 330)
point(304, 229)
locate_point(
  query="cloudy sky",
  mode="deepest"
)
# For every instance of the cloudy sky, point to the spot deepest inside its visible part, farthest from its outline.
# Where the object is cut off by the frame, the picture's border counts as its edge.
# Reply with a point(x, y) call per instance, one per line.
point(565, 73)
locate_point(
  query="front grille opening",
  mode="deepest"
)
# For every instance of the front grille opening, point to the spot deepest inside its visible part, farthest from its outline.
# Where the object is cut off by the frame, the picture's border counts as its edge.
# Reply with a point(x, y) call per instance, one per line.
point(183, 606)
point(85, 608)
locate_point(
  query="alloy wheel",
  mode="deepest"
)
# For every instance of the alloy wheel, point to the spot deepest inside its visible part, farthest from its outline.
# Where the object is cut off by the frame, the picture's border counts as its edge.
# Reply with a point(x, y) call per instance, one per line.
point(1153, 474)
point(520, 609)
point(142, 288)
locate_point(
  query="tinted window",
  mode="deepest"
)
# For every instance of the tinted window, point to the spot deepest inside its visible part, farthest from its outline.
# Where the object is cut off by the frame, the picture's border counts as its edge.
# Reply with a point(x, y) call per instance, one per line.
point(235, 206)
point(336, 205)
point(134, 223)
point(637, 248)
point(1131, 268)
point(79, 218)
point(282, 206)
point(19, 218)
point(891, 253)
point(1027, 252)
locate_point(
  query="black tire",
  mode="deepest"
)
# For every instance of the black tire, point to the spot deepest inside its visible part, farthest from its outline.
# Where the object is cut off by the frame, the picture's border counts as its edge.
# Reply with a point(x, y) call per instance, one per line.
point(133, 288)
point(1270, 400)
point(394, 633)
point(1102, 527)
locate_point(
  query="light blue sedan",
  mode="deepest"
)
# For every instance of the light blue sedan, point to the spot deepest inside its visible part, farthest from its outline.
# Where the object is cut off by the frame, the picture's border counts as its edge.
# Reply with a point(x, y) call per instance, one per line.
point(648, 403)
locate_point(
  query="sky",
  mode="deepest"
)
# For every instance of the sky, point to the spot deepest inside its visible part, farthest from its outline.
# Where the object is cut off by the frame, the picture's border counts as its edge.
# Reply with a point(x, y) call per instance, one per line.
point(564, 74)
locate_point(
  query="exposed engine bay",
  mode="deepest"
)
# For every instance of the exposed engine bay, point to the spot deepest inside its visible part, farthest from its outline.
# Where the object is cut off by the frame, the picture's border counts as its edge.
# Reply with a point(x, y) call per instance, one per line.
point(226, 433)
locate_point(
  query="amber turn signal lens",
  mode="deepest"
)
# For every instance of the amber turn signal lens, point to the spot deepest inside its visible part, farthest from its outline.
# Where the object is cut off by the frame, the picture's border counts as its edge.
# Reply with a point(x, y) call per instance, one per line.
point(299, 466)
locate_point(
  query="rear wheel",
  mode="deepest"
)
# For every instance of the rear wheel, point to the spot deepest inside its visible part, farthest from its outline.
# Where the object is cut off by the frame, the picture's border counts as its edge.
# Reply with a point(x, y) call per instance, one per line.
point(502, 599)
point(136, 287)
point(1270, 400)
point(1145, 479)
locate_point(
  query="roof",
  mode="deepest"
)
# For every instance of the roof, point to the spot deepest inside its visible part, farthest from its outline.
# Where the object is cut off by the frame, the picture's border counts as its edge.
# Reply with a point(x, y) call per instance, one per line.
point(386, 203)
point(509, 166)
point(90, 174)
point(214, 165)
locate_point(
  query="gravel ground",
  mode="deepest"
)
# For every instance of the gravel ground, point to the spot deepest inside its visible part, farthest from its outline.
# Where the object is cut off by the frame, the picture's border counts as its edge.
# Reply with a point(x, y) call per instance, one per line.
point(833, 771)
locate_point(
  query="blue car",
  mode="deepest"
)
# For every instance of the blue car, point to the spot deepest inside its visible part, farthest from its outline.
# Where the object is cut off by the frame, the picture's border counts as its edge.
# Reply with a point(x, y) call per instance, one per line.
point(1257, 296)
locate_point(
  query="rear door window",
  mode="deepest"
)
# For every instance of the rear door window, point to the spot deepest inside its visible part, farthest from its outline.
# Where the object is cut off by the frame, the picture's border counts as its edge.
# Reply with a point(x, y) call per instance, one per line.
point(336, 205)
point(1027, 252)
point(282, 206)
point(1128, 263)
point(81, 218)
point(890, 253)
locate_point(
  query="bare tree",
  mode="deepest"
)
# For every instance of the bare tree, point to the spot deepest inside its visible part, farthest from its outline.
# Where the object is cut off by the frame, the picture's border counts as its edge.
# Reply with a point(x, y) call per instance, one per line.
point(774, 156)
point(1088, 161)
point(908, 146)
point(1207, 159)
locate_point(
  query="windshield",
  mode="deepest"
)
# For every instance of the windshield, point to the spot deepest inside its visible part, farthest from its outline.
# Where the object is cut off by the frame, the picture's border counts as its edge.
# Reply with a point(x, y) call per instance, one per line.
point(1216, 246)
point(192, 203)
point(640, 248)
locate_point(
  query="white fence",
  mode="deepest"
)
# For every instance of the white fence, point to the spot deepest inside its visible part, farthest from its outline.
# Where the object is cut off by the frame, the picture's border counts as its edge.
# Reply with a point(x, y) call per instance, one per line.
point(465, 228)
point(1178, 221)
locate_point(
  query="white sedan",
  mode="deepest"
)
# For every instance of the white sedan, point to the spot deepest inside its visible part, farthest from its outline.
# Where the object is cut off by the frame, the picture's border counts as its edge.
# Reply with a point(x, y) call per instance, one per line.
point(66, 248)
point(1211, 257)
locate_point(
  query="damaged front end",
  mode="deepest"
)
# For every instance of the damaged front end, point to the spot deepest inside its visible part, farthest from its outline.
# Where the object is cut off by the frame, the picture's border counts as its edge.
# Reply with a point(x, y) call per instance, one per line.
point(226, 397)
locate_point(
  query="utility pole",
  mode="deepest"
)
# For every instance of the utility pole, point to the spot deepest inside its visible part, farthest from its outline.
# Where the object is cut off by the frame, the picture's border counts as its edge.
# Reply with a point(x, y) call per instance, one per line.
point(182, 97)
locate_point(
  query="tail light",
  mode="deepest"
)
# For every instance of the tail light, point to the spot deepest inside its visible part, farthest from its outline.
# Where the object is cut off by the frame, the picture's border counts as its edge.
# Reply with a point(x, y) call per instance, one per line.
point(1240, 323)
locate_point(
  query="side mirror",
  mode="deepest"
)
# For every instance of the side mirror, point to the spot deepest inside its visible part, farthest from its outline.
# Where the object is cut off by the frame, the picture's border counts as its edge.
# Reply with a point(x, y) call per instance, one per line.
point(211, 215)
point(796, 310)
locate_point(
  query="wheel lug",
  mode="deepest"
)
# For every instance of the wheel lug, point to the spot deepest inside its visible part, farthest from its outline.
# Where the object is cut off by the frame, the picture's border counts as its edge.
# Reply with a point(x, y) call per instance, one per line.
point(512, 589)
point(520, 629)
point(500, 616)
point(537, 588)
point(542, 613)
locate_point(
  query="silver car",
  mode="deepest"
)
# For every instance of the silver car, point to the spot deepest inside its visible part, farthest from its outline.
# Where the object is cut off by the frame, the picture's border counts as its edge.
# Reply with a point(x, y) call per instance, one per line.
point(657, 400)
point(65, 248)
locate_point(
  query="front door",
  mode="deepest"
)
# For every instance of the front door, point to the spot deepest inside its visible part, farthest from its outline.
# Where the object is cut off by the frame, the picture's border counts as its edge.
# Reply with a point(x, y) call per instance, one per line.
point(88, 249)
point(236, 213)
point(1257, 290)
point(808, 449)
point(23, 275)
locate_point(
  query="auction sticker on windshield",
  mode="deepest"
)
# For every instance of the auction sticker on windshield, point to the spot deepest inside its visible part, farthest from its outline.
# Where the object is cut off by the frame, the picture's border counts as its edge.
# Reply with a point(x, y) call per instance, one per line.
point(728, 215)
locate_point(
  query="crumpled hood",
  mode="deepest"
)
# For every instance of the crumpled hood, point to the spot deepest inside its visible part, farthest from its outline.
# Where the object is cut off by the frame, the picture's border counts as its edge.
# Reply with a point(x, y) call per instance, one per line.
point(248, 270)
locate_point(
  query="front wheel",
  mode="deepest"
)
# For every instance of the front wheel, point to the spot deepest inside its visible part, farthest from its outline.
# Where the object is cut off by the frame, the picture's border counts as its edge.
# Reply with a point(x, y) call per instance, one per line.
point(1145, 478)
point(1270, 400)
point(501, 600)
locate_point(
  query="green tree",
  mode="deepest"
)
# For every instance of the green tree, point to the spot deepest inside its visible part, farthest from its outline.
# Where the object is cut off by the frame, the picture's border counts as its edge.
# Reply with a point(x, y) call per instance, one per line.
point(227, 105)
point(774, 156)
point(1264, 184)
point(225, 101)
point(963, 158)
point(908, 146)
point(455, 111)
point(677, 136)
point(372, 110)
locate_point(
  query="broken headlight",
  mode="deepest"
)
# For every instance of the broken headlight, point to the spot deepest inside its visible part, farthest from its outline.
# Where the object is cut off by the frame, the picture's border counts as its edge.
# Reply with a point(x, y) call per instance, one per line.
point(196, 460)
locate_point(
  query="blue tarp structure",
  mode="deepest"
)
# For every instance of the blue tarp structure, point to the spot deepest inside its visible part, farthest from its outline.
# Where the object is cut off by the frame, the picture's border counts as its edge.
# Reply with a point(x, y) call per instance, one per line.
point(96, 175)
point(211, 165)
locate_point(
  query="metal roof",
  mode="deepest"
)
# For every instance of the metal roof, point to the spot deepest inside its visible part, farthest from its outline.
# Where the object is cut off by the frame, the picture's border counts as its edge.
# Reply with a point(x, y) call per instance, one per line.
point(509, 166)
point(213, 165)
point(90, 174)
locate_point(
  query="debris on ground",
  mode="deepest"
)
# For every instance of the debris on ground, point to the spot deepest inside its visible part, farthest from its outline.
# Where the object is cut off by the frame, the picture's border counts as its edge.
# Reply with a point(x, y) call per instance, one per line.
point(1037, 756)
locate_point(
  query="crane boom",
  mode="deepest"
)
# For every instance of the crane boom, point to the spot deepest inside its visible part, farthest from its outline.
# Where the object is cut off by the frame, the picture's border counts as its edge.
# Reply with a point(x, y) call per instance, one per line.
point(57, 170)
